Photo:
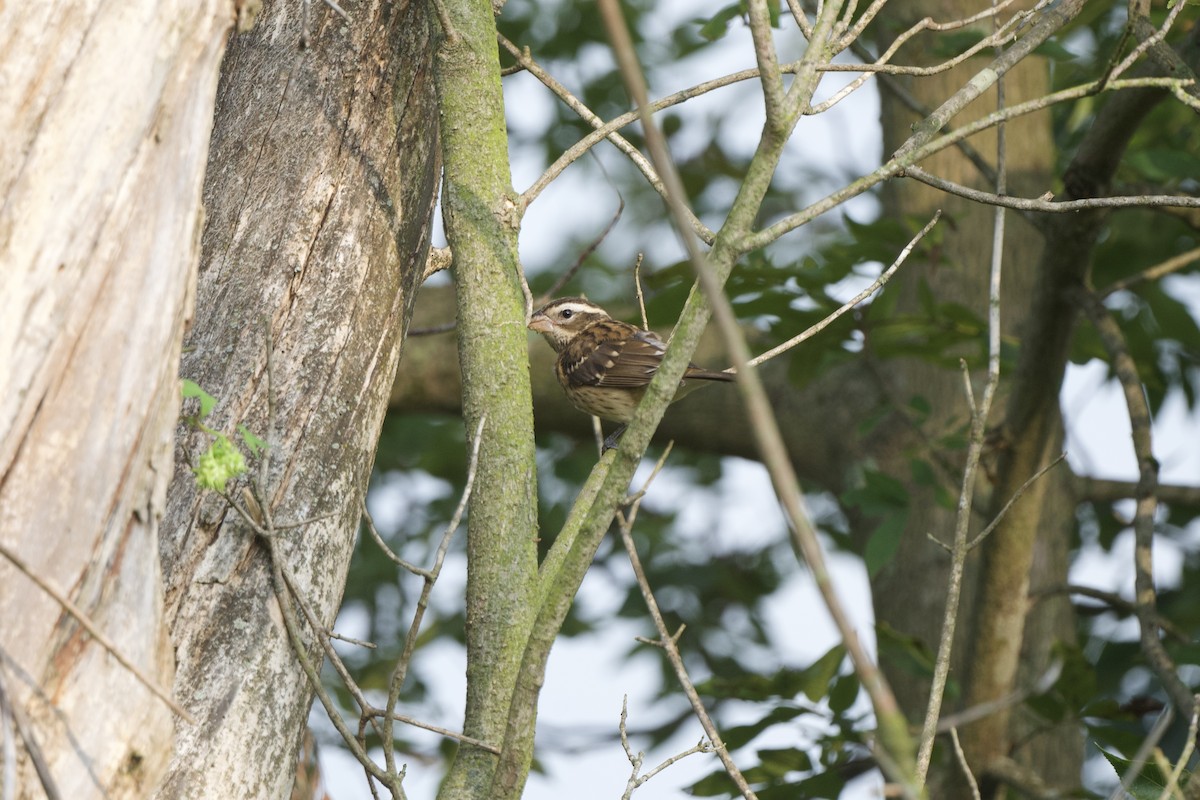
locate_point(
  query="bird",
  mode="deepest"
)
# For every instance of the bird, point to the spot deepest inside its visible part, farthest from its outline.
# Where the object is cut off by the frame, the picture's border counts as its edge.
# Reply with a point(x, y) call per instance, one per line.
point(604, 365)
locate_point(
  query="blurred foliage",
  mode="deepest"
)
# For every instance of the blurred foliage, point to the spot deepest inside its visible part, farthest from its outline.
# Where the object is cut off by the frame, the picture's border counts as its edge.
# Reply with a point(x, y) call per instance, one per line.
point(810, 729)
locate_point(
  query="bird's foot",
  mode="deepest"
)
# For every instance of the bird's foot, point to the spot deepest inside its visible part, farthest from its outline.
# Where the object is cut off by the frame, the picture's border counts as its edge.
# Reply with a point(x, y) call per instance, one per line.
point(610, 443)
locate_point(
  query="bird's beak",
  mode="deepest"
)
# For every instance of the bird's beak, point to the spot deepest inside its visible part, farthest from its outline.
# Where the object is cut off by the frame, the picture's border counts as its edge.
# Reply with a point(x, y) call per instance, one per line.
point(540, 322)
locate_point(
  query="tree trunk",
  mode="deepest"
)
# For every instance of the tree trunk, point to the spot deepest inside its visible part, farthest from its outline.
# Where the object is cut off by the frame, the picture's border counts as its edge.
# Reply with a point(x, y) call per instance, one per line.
point(321, 184)
point(960, 275)
point(106, 111)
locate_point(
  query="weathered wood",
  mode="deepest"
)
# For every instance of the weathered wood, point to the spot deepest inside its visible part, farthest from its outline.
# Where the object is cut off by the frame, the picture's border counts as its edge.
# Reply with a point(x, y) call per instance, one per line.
point(105, 111)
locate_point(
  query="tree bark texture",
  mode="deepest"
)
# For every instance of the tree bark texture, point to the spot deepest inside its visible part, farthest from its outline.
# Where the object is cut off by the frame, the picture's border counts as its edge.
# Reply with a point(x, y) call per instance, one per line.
point(106, 111)
point(960, 275)
point(321, 183)
point(480, 210)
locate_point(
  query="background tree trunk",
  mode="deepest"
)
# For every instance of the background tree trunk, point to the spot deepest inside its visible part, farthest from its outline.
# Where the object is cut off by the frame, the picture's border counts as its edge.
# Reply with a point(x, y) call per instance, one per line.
point(960, 275)
point(106, 111)
point(320, 190)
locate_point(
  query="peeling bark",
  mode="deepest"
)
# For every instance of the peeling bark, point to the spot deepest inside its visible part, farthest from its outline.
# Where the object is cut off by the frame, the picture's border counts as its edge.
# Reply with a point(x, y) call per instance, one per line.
point(106, 111)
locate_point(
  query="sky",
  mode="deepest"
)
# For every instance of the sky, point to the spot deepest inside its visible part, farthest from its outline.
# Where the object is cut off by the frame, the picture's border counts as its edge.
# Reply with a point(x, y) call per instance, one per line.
point(582, 697)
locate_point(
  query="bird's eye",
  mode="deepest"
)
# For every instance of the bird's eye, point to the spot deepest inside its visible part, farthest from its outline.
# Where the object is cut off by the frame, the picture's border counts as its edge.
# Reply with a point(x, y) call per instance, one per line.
point(566, 313)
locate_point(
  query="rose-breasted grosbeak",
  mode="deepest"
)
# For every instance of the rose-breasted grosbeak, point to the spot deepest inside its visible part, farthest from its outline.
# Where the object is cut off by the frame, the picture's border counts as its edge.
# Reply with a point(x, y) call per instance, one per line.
point(605, 365)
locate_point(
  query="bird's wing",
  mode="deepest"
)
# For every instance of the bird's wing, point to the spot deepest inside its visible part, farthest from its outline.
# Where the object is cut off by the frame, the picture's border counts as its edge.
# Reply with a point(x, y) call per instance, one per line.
point(625, 357)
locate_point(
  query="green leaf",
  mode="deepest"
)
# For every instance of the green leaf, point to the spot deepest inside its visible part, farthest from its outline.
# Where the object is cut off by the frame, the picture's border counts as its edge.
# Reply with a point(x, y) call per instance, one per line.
point(922, 472)
point(716, 26)
point(780, 762)
point(884, 541)
point(192, 389)
point(821, 672)
point(1150, 781)
point(255, 445)
point(844, 693)
point(219, 464)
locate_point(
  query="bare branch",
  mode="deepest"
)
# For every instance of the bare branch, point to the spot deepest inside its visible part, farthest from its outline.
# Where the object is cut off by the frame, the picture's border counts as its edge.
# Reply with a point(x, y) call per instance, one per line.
point(350, 639)
point(892, 730)
point(962, 762)
point(1186, 755)
point(32, 748)
point(1101, 490)
point(883, 278)
point(1049, 21)
point(449, 734)
point(635, 761)
point(930, 145)
point(1115, 602)
point(882, 65)
point(1147, 502)
point(770, 77)
point(86, 623)
point(800, 17)
point(1149, 41)
point(641, 298)
point(576, 105)
point(431, 575)
point(1044, 204)
point(565, 278)
point(668, 643)
point(979, 419)
point(387, 778)
point(983, 534)
point(1173, 264)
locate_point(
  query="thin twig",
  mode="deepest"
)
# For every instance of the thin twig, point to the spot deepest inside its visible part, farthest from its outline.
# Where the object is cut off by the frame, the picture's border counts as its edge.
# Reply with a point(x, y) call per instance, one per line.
point(1173, 264)
point(576, 105)
point(431, 330)
point(52, 708)
point(1138, 409)
point(1049, 21)
point(1050, 206)
point(669, 646)
point(979, 420)
point(892, 730)
point(1149, 41)
point(900, 91)
point(978, 540)
point(292, 625)
point(8, 738)
point(881, 66)
point(387, 551)
point(800, 17)
point(32, 748)
point(641, 298)
point(962, 762)
point(922, 145)
point(449, 734)
point(635, 781)
point(86, 623)
point(1115, 602)
point(563, 279)
point(443, 15)
point(883, 278)
point(1185, 756)
point(350, 639)
point(400, 672)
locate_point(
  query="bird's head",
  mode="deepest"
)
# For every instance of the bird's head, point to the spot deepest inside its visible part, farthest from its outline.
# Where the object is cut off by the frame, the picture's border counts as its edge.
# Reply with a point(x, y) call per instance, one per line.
point(563, 319)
